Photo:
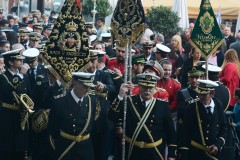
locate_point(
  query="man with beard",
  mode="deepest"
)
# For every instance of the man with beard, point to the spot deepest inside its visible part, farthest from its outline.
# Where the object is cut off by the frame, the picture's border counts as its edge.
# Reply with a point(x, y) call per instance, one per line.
point(23, 37)
point(187, 96)
point(147, 50)
point(149, 127)
point(89, 28)
point(116, 64)
point(103, 87)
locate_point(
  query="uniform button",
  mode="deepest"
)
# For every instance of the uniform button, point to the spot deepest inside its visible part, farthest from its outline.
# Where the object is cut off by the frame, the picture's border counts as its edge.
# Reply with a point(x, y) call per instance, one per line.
point(206, 138)
point(208, 125)
point(217, 125)
point(70, 114)
point(74, 120)
point(207, 131)
point(74, 125)
point(74, 130)
point(151, 120)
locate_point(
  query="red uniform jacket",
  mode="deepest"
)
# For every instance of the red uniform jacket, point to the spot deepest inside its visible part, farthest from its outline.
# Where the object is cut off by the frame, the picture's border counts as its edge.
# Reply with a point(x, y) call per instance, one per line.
point(172, 87)
point(229, 77)
point(113, 63)
point(159, 93)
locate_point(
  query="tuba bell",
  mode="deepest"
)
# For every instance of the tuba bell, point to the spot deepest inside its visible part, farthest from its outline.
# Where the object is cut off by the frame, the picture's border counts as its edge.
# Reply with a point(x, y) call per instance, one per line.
point(40, 120)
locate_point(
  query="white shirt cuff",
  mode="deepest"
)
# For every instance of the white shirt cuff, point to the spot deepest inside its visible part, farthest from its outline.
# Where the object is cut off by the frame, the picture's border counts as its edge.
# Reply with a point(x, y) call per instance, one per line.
point(120, 98)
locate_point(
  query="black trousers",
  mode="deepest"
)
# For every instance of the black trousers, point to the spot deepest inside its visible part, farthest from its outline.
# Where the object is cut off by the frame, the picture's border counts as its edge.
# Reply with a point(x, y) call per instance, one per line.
point(6, 155)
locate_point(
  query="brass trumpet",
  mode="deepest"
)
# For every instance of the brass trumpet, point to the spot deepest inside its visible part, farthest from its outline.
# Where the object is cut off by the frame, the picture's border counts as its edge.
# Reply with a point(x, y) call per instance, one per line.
point(27, 104)
point(26, 101)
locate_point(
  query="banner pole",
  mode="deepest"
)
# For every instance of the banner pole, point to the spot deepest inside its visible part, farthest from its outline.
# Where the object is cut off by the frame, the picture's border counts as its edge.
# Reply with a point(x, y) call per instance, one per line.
point(126, 70)
point(206, 64)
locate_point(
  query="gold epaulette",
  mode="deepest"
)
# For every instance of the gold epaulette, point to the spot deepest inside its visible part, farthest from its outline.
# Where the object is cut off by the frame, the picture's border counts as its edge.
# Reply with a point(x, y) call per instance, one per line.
point(160, 89)
point(91, 92)
point(59, 96)
point(118, 77)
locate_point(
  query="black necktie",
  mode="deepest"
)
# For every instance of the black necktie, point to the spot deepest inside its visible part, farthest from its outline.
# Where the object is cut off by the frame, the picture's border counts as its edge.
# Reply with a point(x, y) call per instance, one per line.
point(209, 110)
point(80, 103)
point(32, 77)
point(144, 103)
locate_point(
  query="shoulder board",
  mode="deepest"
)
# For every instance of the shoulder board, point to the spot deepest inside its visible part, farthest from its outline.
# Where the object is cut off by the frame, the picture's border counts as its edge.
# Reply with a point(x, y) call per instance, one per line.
point(112, 58)
point(220, 83)
point(175, 80)
point(59, 96)
point(160, 89)
point(164, 100)
point(91, 93)
point(117, 77)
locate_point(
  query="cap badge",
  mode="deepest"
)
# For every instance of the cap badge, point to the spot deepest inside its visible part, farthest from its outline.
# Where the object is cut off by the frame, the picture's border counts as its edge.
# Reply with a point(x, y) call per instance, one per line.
point(152, 62)
point(148, 77)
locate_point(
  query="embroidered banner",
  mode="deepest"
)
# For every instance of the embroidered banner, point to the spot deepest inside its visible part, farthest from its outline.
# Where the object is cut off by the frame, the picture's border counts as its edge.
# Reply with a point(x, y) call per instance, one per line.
point(206, 35)
point(128, 20)
point(67, 47)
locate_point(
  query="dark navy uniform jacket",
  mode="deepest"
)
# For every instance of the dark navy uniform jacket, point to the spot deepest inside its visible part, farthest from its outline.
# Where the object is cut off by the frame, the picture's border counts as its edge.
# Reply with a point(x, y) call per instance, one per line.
point(12, 137)
point(37, 89)
point(182, 104)
point(101, 122)
point(213, 129)
point(67, 115)
point(159, 123)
